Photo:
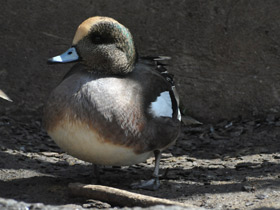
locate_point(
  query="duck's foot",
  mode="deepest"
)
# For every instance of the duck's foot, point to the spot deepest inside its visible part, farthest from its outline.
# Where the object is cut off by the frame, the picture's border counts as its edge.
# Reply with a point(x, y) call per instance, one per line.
point(152, 184)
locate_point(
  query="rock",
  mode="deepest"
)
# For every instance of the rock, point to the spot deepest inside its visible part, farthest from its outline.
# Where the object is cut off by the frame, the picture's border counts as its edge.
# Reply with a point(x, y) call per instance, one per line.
point(248, 188)
point(237, 131)
point(228, 125)
point(276, 157)
point(249, 203)
point(161, 207)
point(96, 204)
point(50, 154)
point(270, 118)
point(241, 166)
point(261, 196)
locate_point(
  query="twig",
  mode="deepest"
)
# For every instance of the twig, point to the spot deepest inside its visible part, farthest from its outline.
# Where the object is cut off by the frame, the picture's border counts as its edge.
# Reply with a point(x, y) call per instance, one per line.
point(118, 197)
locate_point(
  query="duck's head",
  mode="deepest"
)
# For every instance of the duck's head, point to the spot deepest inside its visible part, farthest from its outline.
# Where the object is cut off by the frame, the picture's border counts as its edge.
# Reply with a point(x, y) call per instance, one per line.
point(103, 45)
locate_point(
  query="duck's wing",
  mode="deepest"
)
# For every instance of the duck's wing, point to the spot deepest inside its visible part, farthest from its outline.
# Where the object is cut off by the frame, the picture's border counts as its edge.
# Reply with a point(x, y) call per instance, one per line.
point(160, 64)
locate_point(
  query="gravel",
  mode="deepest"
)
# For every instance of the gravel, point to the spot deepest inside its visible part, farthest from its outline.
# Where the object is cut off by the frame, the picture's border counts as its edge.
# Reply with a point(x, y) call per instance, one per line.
point(230, 165)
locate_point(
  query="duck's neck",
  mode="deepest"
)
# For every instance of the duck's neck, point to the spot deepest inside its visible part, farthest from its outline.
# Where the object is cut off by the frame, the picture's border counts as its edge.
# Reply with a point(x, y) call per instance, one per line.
point(126, 44)
point(126, 40)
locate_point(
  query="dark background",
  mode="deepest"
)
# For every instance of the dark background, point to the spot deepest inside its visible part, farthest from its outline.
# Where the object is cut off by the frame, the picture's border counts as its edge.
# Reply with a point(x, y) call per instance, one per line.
point(225, 53)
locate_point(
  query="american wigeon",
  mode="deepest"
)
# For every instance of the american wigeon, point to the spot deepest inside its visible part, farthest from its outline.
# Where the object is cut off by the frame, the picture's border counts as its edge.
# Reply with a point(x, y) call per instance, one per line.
point(113, 107)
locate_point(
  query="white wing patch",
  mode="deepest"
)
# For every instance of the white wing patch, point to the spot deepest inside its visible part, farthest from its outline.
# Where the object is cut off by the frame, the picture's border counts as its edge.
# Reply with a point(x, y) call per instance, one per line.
point(162, 107)
point(179, 117)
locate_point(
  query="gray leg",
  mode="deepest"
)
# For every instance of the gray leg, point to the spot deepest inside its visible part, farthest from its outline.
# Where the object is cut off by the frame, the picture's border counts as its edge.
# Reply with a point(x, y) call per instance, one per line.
point(152, 184)
point(157, 160)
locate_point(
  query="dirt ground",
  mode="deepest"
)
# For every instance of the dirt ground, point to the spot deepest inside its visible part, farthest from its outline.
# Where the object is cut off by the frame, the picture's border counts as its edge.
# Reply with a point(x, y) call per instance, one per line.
point(231, 165)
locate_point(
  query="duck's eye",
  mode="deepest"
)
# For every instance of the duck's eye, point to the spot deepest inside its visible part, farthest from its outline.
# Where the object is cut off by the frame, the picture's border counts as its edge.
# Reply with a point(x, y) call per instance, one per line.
point(97, 39)
point(101, 38)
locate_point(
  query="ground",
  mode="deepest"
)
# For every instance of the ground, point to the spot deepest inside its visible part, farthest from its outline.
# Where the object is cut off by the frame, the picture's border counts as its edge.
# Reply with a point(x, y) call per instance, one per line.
point(230, 165)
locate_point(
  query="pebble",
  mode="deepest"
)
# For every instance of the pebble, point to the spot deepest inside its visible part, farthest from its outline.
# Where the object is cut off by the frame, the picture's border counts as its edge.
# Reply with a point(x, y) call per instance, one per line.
point(249, 204)
point(96, 204)
point(241, 166)
point(237, 131)
point(207, 182)
point(10, 204)
point(51, 154)
point(194, 163)
point(228, 125)
point(277, 123)
point(22, 148)
point(215, 167)
point(228, 178)
point(270, 118)
point(248, 188)
point(276, 157)
point(162, 207)
point(2, 148)
point(261, 196)
point(246, 179)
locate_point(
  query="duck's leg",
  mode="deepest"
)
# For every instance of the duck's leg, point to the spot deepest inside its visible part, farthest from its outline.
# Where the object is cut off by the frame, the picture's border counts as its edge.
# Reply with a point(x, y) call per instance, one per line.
point(157, 154)
point(154, 183)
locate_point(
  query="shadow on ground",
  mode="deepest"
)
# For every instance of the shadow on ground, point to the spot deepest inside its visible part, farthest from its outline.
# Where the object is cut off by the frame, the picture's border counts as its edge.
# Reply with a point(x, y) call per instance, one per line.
point(237, 157)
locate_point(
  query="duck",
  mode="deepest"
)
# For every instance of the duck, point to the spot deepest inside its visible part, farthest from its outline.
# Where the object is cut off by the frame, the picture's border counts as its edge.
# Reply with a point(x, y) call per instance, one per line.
point(112, 107)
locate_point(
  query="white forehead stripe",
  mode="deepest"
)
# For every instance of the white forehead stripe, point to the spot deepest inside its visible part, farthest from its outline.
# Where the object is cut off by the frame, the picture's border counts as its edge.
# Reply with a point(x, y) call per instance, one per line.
point(162, 107)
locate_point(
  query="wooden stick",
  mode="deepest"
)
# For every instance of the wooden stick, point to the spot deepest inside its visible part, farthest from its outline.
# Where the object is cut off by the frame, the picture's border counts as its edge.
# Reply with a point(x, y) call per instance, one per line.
point(118, 197)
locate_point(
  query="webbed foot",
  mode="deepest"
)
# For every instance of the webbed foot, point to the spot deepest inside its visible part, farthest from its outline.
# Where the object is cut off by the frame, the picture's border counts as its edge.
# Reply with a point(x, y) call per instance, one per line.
point(152, 184)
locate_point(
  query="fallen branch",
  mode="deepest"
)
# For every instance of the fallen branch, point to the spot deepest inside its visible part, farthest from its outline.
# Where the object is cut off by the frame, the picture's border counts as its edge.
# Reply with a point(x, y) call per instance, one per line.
point(118, 197)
